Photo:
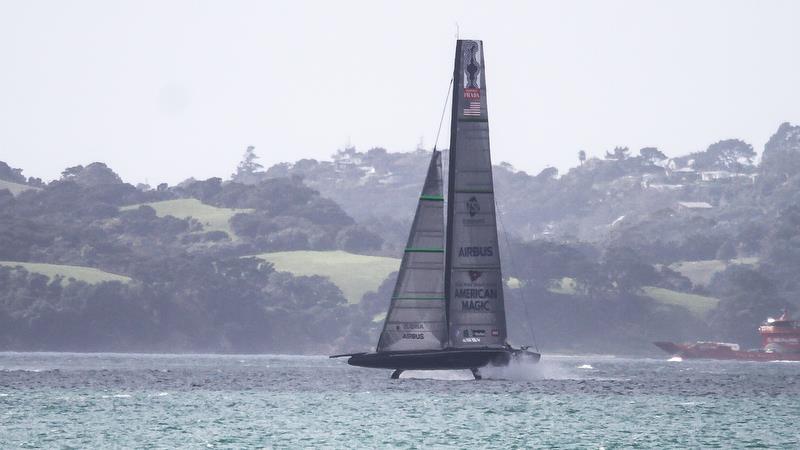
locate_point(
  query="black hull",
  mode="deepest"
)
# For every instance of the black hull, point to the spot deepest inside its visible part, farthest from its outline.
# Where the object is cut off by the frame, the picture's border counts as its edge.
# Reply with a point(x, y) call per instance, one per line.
point(448, 359)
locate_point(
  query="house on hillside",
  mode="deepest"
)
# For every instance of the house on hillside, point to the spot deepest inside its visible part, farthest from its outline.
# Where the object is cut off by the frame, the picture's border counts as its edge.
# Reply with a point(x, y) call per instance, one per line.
point(665, 187)
point(344, 164)
point(694, 207)
point(661, 182)
point(683, 175)
point(724, 175)
point(346, 159)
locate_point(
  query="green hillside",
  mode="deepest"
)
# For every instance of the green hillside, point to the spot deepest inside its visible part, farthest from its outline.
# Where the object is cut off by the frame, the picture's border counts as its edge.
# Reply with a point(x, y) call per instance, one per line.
point(211, 217)
point(701, 272)
point(86, 274)
point(698, 305)
point(353, 274)
point(14, 188)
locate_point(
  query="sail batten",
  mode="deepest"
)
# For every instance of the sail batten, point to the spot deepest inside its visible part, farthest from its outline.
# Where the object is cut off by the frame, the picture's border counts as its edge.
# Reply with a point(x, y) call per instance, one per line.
point(473, 278)
point(433, 198)
point(416, 319)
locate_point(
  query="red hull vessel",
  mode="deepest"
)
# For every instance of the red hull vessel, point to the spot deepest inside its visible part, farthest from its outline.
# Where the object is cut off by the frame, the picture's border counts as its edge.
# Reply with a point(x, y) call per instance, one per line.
point(780, 340)
point(719, 350)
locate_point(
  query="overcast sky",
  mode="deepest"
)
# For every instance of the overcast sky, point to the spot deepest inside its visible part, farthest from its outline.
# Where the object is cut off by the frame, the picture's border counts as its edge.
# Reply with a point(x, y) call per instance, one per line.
point(165, 90)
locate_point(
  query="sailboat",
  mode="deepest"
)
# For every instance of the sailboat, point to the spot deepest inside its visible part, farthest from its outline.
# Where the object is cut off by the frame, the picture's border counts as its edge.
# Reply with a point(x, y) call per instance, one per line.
point(447, 309)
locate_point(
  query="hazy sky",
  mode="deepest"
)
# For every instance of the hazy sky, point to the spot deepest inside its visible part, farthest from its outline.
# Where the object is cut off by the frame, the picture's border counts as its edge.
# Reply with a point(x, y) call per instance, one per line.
point(164, 90)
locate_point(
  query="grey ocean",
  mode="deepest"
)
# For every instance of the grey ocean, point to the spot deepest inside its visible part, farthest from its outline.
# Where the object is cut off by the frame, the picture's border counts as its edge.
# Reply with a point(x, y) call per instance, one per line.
point(208, 401)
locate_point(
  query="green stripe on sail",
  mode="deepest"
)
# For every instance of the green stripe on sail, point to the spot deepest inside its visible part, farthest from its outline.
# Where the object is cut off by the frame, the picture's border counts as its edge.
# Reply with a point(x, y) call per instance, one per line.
point(435, 198)
point(424, 250)
point(418, 298)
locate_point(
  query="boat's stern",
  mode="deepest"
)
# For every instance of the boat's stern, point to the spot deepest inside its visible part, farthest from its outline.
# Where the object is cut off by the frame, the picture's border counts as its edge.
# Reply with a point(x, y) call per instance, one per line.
point(525, 356)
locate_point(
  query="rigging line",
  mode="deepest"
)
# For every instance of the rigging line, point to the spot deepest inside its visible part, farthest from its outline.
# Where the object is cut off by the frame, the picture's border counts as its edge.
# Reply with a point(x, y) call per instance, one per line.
point(444, 110)
point(521, 291)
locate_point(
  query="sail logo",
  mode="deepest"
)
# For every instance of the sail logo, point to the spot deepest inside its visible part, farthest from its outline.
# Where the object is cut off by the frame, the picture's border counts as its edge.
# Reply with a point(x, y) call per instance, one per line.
point(473, 207)
point(472, 94)
point(473, 109)
point(476, 293)
point(476, 305)
point(475, 337)
point(474, 275)
point(471, 252)
point(471, 65)
point(413, 326)
point(413, 336)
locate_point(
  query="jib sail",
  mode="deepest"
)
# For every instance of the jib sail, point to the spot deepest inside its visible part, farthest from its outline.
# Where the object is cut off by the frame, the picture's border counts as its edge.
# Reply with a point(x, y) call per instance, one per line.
point(416, 318)
point(476, 314)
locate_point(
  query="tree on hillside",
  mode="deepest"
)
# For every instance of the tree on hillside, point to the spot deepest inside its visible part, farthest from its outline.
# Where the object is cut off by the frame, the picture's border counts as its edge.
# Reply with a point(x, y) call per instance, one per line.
point(618, 154)
point(781, 157)
point(248, 171)
point(373, 303)
point(627, 270)
point(727, 251)
point(95, 174)
point(652, 154)
point(746, 297)
point(357, 239)
point(541, 263)
point(582, 156)
point(781, 256)
point(204, 190)
point(731, 154)
point(548, 173)
point(9, 173)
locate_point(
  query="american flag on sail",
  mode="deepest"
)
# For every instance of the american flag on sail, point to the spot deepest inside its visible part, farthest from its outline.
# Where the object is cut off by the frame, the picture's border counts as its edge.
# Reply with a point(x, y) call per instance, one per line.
point(473, 109)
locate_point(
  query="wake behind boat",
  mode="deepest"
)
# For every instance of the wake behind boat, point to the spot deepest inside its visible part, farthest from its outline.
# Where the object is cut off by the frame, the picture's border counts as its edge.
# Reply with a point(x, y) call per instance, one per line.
point(447, 310)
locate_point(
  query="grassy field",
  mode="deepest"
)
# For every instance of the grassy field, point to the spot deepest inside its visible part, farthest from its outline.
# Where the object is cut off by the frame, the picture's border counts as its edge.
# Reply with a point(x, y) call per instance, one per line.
point(211, 217)
point(14, 188)
point(353, 274)
point(87, 274)
point(698, 305)
point(701, 272)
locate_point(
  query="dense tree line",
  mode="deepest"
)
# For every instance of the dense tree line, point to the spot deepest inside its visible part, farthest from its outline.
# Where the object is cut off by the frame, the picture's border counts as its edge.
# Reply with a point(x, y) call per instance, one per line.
point(611, 226)
point(191, 289)
point(175, 304)
point(608, 229)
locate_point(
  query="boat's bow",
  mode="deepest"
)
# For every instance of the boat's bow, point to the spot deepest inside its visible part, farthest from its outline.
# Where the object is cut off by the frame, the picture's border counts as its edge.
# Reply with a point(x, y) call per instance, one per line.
point(669, 347)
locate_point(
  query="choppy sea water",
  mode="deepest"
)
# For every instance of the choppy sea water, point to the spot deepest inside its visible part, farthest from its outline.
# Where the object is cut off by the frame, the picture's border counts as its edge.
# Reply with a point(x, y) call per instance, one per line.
point(211, 401)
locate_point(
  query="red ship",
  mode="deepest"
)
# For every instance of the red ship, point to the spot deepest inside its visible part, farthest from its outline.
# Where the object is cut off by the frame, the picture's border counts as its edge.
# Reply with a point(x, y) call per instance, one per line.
point(780, 341)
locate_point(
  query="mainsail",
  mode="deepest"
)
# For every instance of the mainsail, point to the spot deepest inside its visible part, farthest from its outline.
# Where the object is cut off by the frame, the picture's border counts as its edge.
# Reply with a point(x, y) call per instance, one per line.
point(416, 318)
point(474, 284)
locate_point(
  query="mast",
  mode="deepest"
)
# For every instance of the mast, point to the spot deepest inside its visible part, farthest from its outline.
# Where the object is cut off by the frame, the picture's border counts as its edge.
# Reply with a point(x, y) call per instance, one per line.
point(416, 317)
point(473, 278)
